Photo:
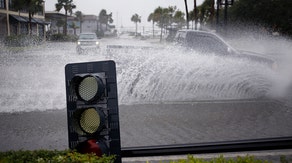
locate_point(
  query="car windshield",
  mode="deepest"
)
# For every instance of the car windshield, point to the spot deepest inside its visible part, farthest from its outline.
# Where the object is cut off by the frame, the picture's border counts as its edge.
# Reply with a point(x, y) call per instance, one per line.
point(87, 36)
point(206, 44)
point(210, 71)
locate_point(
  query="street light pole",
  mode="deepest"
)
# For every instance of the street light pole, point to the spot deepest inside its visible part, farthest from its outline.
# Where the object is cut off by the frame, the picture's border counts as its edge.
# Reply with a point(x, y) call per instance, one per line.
point(217, 13)
point(225, 13)
point(196, 14)
point(187, 13)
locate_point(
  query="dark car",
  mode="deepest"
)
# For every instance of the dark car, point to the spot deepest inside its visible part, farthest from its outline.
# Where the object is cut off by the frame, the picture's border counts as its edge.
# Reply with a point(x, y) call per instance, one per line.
point(209, 43)
point(86, 42)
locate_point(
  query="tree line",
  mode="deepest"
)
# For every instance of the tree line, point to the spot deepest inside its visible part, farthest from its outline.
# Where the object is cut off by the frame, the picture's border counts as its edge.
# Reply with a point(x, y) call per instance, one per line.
point(169, 17)
point(271, 14)
point(275, 15)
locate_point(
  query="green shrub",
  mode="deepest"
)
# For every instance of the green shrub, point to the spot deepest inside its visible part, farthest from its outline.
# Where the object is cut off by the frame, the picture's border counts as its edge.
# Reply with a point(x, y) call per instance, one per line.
point(99, 33)
point(62, 37)
point(45, 156)
point(221, 159)
point(22, 40)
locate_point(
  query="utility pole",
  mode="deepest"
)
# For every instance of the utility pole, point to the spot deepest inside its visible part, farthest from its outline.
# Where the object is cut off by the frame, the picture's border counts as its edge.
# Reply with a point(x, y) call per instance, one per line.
point(212, 12)
point(217, 13)
point(225, 13)
point(187, 13)
point(196, 14)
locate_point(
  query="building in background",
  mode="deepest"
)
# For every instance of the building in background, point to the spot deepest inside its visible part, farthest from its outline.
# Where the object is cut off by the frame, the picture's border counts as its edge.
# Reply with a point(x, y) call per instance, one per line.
point(57, 22)
point(14, 22)
point(90, 23)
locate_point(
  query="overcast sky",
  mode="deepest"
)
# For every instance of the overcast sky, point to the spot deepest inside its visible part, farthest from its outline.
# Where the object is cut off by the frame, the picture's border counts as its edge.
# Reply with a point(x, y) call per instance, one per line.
point(124, 9)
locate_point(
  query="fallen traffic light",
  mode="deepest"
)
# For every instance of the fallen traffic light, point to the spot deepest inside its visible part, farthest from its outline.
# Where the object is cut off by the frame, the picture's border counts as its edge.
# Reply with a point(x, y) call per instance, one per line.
point(92, 108)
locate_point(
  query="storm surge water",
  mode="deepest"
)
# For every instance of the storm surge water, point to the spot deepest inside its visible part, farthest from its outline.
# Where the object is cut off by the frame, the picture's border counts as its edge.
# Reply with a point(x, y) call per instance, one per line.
point(34, 79)
point(174, 75)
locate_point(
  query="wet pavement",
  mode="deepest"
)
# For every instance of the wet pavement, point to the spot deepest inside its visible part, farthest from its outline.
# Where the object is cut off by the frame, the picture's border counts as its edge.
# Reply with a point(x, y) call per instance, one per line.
point(156, 124)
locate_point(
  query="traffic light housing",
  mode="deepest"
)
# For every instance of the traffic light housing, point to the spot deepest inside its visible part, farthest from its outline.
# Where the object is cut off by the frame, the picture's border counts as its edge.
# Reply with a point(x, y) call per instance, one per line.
point(92, 108)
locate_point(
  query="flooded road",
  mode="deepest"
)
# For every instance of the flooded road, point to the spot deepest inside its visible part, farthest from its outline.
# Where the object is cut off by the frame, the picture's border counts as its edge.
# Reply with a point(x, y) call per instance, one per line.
point(34, 79)
point(166, 96)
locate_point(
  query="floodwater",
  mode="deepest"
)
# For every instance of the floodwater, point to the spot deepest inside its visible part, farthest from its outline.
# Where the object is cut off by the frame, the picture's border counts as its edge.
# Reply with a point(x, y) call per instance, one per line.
point(166, 95)
point(34, 78)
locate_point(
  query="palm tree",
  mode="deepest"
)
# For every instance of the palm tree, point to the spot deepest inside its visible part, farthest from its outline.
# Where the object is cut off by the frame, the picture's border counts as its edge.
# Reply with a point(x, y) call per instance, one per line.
point(178, 18)
point(32, 6)
point(74, 26)
point(151, 17)
point(68, 7)
point(79, 17)
point(105, 18)
point(187, 12)
point(158, 13)
point(164, 17)
point(60, 23)
point(195, 14)
point(212, 11)
point(109, 19)
point(136, 19)
point(207, 11)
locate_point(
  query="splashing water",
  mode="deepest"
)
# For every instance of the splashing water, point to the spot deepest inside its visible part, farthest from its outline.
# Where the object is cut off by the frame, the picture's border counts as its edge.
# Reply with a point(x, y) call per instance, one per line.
point(170, 75)
point(34, 79)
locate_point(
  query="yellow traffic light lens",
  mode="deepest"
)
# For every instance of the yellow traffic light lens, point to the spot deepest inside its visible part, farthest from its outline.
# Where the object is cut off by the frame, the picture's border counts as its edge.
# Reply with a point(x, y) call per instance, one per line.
point(90, 120)
point(88, 88)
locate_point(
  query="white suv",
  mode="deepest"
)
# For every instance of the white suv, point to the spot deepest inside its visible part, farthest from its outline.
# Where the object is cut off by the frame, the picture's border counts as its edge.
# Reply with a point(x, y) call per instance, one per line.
point(87, 41)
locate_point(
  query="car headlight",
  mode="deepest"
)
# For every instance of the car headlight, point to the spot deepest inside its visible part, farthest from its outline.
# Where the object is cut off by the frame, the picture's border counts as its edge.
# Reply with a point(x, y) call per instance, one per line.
point(78, 43)
point(97, 43)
